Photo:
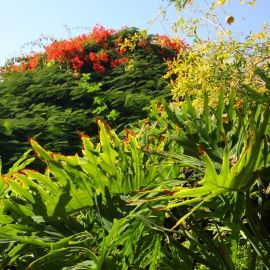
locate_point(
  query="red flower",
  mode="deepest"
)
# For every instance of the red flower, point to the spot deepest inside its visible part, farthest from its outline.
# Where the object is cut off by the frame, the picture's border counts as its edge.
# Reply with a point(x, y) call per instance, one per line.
point(103, 56)
point(142, 43)
point(122, 50)
point(33, 61)
point(93, 57)
point(68, 51)
point(173, 44)
point(118, 62)
point(73, 53)
point(76, 63)
point(24, 66)
point(100, 34)
point(98, 68)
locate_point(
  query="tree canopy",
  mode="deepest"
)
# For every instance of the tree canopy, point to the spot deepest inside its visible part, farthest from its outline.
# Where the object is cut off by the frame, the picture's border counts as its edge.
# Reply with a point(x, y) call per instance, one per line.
point(54, 95)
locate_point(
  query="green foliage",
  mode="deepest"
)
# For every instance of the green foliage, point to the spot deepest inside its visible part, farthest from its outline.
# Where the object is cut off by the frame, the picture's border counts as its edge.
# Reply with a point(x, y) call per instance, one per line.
point(188, 188)
point(211, 67)
point(130, 90)
point(220, 57)
point(40, 104)
point(218, 197)
point(78, 209)
point(165, 197)
point(53, 105)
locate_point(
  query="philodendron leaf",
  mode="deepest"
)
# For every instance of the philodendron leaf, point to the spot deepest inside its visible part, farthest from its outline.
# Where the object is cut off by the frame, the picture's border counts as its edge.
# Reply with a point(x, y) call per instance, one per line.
point(20, 163)
point(65, 257)
point(108, 156)
point(230, 177)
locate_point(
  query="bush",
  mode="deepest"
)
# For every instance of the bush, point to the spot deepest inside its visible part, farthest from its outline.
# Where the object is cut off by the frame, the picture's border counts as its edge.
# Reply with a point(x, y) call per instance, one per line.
point(210, 67)
point(52, 96)
point(182, 190)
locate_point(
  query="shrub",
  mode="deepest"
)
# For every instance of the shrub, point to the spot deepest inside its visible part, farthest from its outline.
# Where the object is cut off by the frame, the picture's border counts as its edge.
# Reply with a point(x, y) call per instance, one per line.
point(210, 67)
point(218, 58)
point(181, 190)
point(53, 95)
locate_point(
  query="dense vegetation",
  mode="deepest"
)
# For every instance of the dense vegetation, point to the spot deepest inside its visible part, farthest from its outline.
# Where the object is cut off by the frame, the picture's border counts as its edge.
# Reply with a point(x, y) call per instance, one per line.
point(179, 193)
point(52, 96)
point(185, 186)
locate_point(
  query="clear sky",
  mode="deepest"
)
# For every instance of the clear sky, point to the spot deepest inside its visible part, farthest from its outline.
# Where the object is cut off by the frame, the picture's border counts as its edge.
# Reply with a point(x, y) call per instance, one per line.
point(23, 21)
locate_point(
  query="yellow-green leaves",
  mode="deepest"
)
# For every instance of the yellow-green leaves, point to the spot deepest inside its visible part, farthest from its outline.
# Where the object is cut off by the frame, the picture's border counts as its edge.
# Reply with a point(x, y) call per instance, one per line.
point(239, 175)
point(228, 143)
point(108, 154)
point(209, 67)
point(221, 2)
point(250, 2)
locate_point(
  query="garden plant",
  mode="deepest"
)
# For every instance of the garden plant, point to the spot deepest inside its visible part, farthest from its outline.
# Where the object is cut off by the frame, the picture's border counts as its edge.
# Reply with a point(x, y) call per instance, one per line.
point(182, 190)
point(55, 94)
point(182, 184)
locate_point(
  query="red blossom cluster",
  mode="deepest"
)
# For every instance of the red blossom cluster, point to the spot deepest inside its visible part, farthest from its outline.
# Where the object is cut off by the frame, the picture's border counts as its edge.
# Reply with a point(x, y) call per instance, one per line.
point(119, 61)
point(97, 67)
point(143, 43)
point(103, 56)
point(68, 51)
point(93, 57)
point(100, 34)
point(14, 68)
point(100, 50)
point(34, 61)
point(167, 42)
point(73, 53)
point(98, 60)
point(29, 62)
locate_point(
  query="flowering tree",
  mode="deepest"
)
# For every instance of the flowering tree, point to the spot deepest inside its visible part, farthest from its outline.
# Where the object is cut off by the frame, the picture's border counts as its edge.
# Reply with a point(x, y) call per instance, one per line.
point(55, 94)
point(99, 51)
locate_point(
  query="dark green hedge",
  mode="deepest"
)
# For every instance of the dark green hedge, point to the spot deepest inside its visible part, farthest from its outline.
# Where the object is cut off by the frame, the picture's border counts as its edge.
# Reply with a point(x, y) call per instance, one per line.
point(52, 106)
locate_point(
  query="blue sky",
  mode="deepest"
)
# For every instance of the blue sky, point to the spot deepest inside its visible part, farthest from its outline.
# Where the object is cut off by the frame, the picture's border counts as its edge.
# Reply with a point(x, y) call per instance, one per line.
point(23, 21)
